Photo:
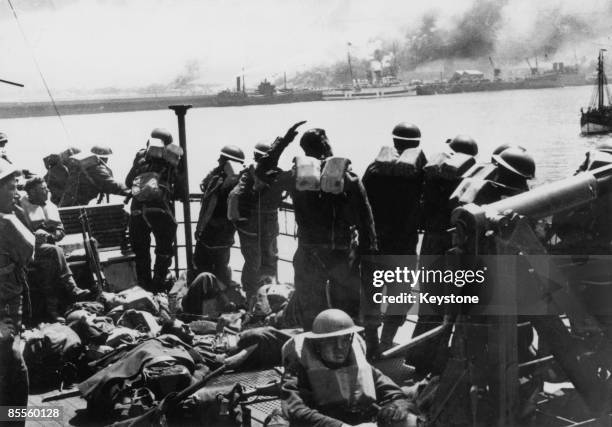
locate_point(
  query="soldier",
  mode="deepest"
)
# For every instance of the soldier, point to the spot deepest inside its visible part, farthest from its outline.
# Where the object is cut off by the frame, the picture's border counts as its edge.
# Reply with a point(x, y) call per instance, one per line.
point(57, 172)
point(442, 176)
point(329, 383)
point(155, 168)
point(215, 232)
point(393, 183)
point(16, 249)
point(254, 211)
point(90, 177)
point(40, 213)
point(334, 221)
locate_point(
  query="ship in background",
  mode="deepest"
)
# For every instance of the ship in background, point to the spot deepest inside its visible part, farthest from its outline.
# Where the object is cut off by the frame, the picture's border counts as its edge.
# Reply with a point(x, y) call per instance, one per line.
point(266, 93)
point(474, 80)
point(381, 82)
point(598, 116)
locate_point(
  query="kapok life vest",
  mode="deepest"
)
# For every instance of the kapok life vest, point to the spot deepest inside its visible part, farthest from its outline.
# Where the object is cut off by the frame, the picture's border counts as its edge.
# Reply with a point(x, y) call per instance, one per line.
point(351, 386)
point(38, 215)
point(310, 177)
point(389, 162)
point(449, 166)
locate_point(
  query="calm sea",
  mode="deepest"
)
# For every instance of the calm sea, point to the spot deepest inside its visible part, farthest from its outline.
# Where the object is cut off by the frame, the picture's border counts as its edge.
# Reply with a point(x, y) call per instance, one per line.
point(544, 121)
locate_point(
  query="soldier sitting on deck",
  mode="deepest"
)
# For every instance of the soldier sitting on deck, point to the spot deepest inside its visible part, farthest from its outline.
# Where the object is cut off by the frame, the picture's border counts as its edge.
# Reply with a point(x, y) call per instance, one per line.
point(329, 383)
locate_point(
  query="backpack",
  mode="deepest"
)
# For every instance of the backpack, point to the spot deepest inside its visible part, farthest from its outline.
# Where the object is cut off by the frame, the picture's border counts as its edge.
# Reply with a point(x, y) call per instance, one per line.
point(148, 187)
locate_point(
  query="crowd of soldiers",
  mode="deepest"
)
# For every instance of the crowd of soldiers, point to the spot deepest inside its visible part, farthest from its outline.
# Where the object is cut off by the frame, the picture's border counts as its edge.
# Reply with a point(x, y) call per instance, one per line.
point(342, 221)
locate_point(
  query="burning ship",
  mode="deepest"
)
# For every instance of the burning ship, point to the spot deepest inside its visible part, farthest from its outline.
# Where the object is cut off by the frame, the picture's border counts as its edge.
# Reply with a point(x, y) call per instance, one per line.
point(598, 116)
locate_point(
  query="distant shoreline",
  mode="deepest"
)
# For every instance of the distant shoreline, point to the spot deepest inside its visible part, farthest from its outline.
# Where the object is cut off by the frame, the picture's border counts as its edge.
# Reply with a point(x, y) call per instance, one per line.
point(11, 110)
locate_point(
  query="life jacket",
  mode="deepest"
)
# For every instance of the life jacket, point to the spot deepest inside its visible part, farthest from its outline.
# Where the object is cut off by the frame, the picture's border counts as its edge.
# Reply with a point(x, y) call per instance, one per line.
point(154, 183)
point(351, 386)
point(481, 171)
point(310, 177)
point(482, 192)
point(389, 163)
point(449, 166)
point(37, 215)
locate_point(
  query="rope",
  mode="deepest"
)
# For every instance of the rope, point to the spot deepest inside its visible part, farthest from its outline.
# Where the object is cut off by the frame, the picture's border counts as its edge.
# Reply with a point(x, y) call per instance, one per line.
point(42, 77)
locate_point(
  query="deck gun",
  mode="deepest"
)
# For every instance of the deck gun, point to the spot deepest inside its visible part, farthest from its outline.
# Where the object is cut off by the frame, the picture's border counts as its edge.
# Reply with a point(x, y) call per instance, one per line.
point(508, 227)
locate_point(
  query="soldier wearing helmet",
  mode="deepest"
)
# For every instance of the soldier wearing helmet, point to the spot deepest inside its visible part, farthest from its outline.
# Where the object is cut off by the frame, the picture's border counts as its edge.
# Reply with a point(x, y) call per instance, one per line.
point(393, 183)
point(90, 176)
point(253, 207)
point(328, 381)
point(215, 232)
point(334, 225)
point(158, 165)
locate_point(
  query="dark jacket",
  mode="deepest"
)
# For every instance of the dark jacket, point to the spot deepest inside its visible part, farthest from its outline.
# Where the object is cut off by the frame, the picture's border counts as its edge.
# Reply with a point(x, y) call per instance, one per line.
point(395, 206)
point(323, 219)
point(214, 229)
point(85, 185)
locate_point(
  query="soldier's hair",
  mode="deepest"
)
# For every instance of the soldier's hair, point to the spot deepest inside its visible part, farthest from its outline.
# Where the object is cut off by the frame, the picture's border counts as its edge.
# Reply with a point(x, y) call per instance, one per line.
point(33, 182)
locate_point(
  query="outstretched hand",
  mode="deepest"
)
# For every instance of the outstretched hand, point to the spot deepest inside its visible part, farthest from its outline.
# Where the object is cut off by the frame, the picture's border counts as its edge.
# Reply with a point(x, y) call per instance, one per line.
point(292, 131)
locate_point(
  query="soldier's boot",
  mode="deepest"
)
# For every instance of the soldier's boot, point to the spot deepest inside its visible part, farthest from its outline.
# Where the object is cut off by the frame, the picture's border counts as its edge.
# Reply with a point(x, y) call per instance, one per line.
point(160, 272)
point(372, 345)
point(76, 293)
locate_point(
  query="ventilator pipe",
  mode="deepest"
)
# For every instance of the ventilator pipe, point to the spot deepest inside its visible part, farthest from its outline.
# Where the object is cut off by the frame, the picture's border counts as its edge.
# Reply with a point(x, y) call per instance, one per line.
point(542, 201)
point(181, 111)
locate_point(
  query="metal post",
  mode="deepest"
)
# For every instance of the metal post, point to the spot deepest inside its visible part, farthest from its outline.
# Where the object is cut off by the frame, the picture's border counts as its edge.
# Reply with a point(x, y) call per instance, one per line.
point(181, 111)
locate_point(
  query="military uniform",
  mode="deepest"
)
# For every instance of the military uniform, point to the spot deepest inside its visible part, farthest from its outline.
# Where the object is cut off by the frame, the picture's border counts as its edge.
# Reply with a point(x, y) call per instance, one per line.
point(16, 249)
point(153, 217)
point(327, 251)
point(84, 185)
point(215, 232)
point(258, 231)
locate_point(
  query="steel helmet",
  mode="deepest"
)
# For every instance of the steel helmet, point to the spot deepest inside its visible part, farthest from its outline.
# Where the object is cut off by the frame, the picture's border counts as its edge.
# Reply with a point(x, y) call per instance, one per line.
point(232, 152)
point(314, 142)
point(463, 144)
point(502, 147)
point(6, 169)
point(163, 134)
point(261, 149)
point(3, 138)
point(332, 323)
point(606, 147)
point(516, 160)
point(100, 150)
point(406, 135)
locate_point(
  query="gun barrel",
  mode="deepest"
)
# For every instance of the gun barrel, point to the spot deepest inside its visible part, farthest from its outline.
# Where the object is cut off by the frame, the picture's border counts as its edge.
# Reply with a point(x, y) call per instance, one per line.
point(549, 199)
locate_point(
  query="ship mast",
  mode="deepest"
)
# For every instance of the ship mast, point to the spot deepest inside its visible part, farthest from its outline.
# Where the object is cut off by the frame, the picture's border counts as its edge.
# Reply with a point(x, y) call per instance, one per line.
point(600, 80)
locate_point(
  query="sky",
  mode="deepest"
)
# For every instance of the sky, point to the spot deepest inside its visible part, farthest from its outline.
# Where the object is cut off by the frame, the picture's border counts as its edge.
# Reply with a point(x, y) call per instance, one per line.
point(85, 45)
